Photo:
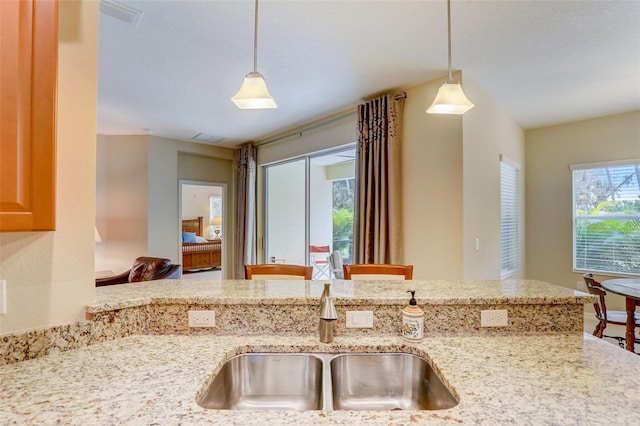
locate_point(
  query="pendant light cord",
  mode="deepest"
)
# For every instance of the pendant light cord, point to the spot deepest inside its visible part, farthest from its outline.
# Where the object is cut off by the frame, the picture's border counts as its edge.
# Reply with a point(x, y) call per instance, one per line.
point(255, 42)
point(448, 34)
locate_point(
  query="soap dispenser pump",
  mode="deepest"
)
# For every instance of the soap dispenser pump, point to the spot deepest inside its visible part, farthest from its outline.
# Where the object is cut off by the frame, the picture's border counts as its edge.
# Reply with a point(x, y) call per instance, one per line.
point(412, 320)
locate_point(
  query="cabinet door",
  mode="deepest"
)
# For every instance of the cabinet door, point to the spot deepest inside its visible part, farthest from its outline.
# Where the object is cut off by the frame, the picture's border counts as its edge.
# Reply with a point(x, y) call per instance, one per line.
point(28, 57)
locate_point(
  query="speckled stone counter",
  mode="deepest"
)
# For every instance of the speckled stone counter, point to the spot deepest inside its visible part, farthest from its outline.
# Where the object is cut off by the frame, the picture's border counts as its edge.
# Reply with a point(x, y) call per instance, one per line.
point(144, 380)
point(265, 307)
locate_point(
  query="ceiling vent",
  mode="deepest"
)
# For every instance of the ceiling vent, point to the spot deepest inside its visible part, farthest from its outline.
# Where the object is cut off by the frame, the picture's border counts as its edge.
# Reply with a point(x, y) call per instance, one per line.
point(203, 137)
point(121, 11)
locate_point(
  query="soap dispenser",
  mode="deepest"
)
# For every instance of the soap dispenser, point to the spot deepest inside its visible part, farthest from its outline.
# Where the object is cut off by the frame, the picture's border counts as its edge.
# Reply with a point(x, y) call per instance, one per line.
point(412, 320)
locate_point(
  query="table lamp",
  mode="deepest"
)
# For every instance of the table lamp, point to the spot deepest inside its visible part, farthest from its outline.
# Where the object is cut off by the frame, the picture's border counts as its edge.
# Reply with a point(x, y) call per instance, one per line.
point(216, 222)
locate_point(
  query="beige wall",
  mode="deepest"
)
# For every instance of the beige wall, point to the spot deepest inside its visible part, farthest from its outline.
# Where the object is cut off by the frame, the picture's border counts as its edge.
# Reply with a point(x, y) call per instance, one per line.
point(487, 132)
point(50, 274)
point(549, 152)
point(432, 187)
point(196, 202)
point(121, 201)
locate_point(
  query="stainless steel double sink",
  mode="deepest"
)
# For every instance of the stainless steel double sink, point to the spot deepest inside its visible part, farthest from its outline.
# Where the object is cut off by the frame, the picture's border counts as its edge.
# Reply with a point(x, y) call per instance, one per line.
point(322, 381)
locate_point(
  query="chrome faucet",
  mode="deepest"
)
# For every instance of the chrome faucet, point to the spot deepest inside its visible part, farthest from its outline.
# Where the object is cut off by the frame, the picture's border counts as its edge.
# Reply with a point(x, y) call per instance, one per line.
point(328, 315)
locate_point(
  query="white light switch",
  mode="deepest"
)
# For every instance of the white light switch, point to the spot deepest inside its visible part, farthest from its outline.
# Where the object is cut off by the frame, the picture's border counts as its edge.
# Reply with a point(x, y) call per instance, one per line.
point(359, 319)
point(3, 297)
point(494, 318)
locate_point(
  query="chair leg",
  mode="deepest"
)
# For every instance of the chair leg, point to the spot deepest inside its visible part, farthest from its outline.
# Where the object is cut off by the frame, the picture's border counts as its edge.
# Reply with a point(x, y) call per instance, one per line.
point(621, 340)
point(599, 331)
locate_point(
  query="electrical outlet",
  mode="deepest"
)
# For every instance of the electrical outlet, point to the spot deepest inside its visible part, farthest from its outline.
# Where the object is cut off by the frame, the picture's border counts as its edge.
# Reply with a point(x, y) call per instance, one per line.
point(202, 318)
point(494, 318)
point(359, 319)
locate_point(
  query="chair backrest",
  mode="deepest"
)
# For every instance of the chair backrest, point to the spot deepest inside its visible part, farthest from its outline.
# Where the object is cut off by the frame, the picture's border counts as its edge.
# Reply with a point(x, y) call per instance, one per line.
point(319, 249)
point(595, 288)
point(277, 271)
point(319, 254)
point(377, 272)
point(335, 260)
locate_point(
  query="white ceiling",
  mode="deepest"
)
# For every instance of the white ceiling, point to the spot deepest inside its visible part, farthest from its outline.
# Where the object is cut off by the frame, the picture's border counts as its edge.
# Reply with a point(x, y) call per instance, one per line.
point(544, 62)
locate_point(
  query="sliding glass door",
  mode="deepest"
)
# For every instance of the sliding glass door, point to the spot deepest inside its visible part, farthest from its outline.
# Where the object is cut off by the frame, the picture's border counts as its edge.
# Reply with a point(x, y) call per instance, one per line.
point(309, 210)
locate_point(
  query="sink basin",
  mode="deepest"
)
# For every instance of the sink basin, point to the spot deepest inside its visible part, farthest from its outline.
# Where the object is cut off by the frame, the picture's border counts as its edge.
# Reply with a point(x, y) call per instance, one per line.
point(322, 381)
point(267, 381)
point(387, 381)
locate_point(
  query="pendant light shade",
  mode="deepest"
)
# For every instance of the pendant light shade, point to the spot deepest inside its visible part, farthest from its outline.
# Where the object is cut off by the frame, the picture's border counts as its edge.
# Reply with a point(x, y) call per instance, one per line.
point(450, 98)
point(253, 93)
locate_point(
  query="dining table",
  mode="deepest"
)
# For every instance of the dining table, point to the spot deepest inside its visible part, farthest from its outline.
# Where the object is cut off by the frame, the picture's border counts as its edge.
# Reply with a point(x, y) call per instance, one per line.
point(630, 289)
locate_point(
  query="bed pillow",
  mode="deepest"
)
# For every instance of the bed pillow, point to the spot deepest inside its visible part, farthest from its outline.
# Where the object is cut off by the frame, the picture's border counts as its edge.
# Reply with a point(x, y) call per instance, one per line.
point(200, 239)
point(188, 237)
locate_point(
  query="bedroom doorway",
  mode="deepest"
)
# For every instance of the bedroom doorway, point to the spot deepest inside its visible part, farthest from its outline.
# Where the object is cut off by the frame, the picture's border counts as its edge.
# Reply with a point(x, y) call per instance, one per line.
point(202, 229)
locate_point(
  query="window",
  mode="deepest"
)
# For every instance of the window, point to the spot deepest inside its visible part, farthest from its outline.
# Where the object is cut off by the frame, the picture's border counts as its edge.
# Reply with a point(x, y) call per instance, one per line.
point(606, 217)
point(509, 226)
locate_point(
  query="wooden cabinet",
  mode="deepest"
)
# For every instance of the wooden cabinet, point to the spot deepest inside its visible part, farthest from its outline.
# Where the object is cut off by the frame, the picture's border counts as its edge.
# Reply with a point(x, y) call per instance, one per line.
point(28, 54)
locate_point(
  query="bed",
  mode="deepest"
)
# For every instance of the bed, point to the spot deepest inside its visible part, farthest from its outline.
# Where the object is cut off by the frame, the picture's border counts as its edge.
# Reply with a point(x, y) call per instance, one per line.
point(201, 254)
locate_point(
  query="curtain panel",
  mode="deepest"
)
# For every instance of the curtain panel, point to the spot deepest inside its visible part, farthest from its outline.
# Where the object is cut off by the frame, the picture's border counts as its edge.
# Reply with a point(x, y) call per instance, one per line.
point(245, 209)
point(378, 182)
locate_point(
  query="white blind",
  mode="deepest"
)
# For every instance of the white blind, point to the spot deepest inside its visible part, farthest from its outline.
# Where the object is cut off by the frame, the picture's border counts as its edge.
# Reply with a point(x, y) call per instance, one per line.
point(606, 218)
point(509, 259)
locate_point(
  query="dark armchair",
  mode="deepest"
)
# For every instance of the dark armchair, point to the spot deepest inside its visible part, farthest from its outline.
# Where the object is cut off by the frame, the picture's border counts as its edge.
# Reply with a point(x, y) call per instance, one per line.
point(145, 269)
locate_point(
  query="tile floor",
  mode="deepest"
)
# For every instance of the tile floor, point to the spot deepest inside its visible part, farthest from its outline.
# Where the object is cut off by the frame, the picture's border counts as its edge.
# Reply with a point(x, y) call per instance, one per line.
point(209, 274)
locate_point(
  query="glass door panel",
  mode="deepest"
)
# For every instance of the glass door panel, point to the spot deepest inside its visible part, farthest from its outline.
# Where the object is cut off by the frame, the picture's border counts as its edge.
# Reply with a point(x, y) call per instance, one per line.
point(331, 201)
point(286, 213)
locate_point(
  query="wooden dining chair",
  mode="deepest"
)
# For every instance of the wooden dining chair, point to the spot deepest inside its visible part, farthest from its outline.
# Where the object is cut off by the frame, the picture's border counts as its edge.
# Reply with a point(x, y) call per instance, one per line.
point(602, 314)
point(277, 271)
point(377, 272)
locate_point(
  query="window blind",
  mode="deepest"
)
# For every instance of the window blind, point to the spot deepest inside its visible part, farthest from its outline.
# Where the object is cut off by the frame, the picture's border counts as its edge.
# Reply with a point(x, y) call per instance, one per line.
point(606, 218)
point(509, 258)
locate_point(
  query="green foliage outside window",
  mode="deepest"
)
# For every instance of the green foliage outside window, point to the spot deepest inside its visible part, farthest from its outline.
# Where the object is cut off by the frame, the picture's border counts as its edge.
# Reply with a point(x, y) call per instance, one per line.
point(607, 219)
point(343, 202)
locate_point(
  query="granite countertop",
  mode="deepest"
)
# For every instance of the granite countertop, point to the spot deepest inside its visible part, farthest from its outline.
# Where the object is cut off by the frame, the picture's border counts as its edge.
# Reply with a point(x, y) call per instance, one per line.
point(145, 379)
point(307, 292)
point(154, 378)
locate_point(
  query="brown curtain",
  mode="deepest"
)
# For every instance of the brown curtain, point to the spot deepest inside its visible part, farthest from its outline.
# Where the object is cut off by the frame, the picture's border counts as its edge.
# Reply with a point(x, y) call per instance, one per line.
point(378, 186)
point(245, 211)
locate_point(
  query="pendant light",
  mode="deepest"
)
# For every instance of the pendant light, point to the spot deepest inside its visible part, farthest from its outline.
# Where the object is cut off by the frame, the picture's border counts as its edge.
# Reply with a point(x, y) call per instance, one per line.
point(450, 98)
point(253, 93)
